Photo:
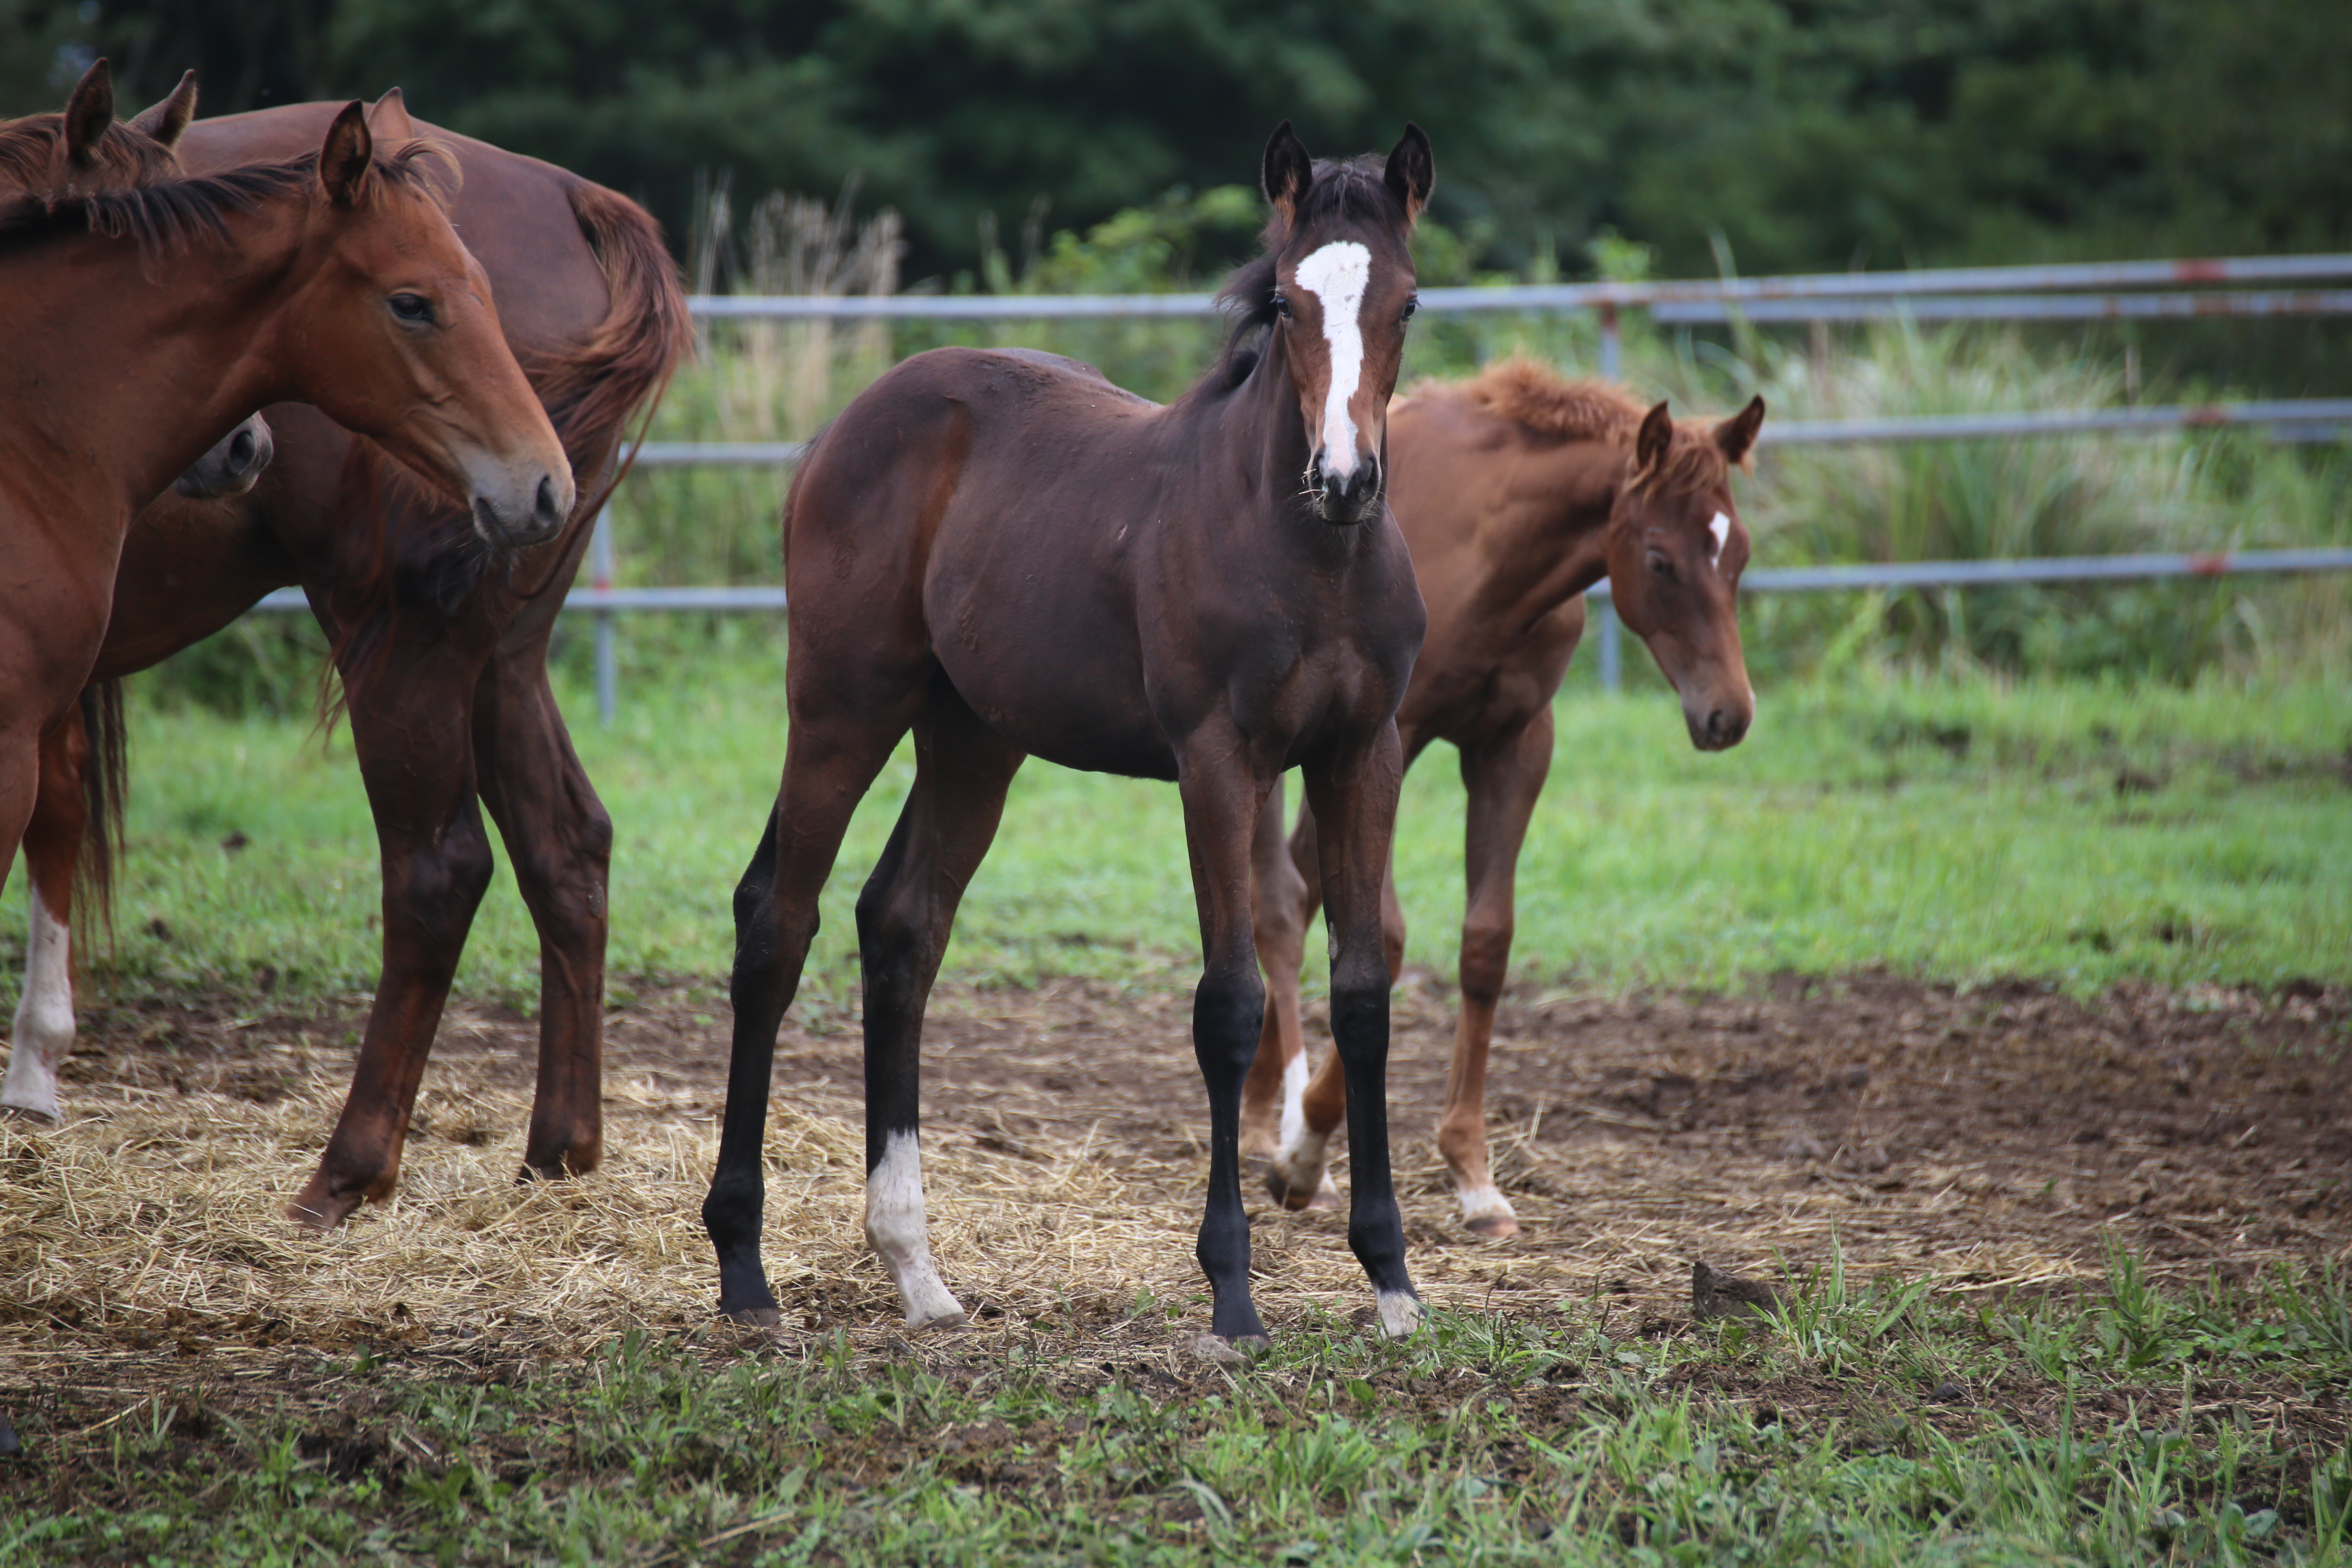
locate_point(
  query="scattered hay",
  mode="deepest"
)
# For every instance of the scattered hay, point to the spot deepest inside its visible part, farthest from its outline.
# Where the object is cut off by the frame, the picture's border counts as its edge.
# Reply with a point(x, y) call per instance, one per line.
point(1065, 1167)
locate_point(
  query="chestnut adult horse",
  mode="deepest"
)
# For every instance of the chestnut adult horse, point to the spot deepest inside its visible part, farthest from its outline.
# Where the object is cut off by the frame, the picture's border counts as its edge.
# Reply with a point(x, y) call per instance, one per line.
point(1516, 491)
point(333, 277)
point(443, 645)
point(1010, 556)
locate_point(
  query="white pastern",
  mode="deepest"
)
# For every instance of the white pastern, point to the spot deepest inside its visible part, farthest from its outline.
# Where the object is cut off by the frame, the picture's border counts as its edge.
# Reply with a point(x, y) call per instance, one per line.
point(1336, 274)
point(1302, 1163)
point(1294, 1100)
point(1399, 1312)
point(1721, 529)
point(44, 1018)
point(895, 1227)
point(1485, 1203)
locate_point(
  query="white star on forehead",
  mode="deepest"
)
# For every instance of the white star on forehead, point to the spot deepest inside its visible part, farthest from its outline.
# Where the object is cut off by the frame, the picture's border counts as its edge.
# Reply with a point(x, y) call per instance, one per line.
point(1720, 526)
point(1336, 276)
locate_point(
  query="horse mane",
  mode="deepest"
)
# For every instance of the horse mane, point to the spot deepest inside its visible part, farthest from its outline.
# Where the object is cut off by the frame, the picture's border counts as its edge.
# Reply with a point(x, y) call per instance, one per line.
point(168, 215)
point(32, 156)
point(1353, 188)
point(1529, 393)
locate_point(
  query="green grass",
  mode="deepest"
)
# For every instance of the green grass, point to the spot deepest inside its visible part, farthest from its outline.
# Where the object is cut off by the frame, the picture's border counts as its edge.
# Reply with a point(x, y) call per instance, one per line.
point(1866, 1424)
point(2079, 832)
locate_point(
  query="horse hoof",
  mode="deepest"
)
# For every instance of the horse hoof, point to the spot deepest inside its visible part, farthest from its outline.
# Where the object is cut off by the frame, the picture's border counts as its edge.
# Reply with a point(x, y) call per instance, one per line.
point(755, 1317)
point(1493, 1226)
point(48, 1116)
point(320, 1210)
point(1298, 1199)
point(945, 1322)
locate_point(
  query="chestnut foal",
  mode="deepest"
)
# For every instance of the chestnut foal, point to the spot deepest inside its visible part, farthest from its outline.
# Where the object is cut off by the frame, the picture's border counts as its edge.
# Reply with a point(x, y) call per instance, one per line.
point(334, 278)
point(1010, 556)
point(1517, 492)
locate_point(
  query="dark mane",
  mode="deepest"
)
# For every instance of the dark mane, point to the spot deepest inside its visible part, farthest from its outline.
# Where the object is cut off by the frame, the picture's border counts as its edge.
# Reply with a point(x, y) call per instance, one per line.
point(1348, 188)
point(170, 215)
point(32, 157)
point(1531, 394)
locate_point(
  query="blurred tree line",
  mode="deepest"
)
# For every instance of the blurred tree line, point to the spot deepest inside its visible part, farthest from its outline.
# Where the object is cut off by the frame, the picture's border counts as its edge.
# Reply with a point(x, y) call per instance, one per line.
point(1784, 134)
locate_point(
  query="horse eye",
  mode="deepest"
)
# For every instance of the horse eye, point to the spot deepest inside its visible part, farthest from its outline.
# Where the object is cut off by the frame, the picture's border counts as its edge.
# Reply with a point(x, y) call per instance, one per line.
point(1282, 305)
point(414, 308)
point(1411, 308)
point(1661, 565)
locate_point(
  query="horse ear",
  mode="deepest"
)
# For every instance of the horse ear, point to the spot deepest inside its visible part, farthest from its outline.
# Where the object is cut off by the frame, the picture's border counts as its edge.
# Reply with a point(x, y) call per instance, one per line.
point(1287, 171)
point(1737, 435)
point(167, 119)
point(89, 112)
point(344, 160)
point(1657, 433)
point(1413, 172)
point(388, 118)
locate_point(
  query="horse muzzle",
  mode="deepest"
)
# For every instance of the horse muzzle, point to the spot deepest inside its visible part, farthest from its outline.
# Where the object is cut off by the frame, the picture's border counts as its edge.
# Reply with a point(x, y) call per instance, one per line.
point(233, 464)
point(1345, 499)
point(1717, 725)
point(518, 517)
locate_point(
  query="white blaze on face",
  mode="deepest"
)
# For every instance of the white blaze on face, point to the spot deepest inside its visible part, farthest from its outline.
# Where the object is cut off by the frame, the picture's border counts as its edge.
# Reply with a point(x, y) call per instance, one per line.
point(1721, 529)
point(44, 1018)
point(1336, 274)
point(895, 1228)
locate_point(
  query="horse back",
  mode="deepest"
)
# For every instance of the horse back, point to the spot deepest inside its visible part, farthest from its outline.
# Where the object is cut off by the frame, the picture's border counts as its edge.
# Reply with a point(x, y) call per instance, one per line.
point(514, 214)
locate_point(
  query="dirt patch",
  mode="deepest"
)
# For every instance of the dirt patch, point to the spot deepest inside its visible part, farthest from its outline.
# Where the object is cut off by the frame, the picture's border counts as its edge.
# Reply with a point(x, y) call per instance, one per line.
point(1988, 1137)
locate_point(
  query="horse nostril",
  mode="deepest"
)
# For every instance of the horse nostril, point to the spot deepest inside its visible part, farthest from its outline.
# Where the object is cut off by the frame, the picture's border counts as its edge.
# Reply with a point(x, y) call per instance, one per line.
point(546, 501)
point(241, 451)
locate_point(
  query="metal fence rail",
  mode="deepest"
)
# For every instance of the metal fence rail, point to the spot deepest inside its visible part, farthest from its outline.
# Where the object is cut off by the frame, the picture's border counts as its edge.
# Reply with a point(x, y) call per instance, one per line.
point(2079, 276)
point(2286, 416)
point(603, 603)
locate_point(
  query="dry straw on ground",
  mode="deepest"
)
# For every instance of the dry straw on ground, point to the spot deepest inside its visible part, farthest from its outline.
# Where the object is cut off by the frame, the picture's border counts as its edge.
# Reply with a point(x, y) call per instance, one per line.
point(1065, 1169)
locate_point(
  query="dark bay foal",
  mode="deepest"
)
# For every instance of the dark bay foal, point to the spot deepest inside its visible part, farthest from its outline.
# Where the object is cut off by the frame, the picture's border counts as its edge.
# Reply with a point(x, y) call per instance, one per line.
point(1008, 555)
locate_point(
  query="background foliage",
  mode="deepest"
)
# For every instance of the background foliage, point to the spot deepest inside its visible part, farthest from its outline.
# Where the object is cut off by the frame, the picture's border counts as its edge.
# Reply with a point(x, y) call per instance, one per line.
point(1800, 134)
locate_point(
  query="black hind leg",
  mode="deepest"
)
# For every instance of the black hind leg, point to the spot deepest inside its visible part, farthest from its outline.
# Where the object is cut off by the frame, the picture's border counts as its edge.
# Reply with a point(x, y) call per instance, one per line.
point(904, 916)
point(825, 775)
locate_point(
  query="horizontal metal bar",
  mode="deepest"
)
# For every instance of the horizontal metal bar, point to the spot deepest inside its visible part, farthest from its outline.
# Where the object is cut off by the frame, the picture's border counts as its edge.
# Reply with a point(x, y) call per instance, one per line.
point(1763, 580)
point(2284, 417)
point(2047, 569)
point(2013, 307)
point(718, 454)
point(2097, 275)
point(943, 307)
point(2280, 416)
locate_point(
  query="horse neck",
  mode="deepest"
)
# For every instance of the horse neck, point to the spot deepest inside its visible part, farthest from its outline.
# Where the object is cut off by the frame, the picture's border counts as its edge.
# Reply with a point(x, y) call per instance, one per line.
point(1255, 430)
point(131, 365)
point(1543, 542)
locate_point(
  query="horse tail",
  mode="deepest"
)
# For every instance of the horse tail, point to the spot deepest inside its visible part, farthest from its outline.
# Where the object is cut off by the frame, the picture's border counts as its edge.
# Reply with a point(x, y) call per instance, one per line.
point(105, 783)
point(592, 391)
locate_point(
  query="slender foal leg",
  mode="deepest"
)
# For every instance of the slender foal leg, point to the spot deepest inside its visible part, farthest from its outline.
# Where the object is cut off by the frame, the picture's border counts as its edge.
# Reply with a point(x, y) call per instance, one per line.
point(1298, 1174)
point(1281, 905)
point(44, 1029)
point(1504, 777)
point(411, 729)
point(1221, 802)
point(1354, 800)
point(829, 763)
point(904, 916)
point(560, 842)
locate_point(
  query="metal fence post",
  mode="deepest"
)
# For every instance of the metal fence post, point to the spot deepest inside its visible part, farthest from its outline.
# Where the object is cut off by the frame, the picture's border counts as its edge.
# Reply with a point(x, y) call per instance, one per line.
point(1613, 346)
point(600, 576)
point(1610, 646)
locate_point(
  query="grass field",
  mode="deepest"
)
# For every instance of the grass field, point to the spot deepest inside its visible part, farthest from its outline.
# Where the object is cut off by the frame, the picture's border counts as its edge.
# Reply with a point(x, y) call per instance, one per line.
point(2084, 834)
point(1971, 830)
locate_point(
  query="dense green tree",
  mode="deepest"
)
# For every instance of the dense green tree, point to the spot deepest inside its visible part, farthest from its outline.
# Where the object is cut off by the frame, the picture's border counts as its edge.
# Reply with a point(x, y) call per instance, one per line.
point(1797, 133)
